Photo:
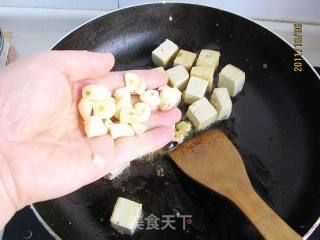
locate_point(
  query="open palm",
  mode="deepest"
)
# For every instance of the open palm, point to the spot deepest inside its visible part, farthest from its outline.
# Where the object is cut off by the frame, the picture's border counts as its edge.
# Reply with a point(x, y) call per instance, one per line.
point(42, 146)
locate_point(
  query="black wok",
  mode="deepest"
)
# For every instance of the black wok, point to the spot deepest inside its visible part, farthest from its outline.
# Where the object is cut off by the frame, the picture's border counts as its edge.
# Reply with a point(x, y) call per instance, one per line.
point(274, 124)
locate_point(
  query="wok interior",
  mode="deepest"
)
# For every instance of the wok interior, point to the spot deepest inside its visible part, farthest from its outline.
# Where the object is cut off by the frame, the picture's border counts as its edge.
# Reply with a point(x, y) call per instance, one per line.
point(273, 125)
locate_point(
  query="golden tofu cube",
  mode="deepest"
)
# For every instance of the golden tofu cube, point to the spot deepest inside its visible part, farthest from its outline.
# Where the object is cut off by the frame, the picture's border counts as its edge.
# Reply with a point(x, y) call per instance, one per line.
point(201, 113)
point(195, 90)
point(232, 78)
point(221, 100)
point(185, 58)
point(178, 77)
point(208, 58)
point(205, 73)
point(164, 54)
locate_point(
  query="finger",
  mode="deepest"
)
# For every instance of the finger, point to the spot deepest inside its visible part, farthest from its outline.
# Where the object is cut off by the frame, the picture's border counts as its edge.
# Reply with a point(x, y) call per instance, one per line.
point(130, 148)
point(163, 118)
point(80, 65)
point(103, 155)
point(152, 79)
point(115, 80)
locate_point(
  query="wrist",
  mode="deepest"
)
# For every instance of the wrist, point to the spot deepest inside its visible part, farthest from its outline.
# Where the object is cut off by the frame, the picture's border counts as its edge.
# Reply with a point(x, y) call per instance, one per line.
point(7, 207)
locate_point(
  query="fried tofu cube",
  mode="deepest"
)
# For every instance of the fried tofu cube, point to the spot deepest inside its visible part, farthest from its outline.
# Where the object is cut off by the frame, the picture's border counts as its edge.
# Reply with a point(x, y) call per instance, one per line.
point(201, 113)
point(232, 78)
point(195, 90)
point(161, 70)
point(205, 73)
point(125, 215)
point(178, 77)
point(221, 100)
point(185, 58)
point(208, 58)
point(164, 54)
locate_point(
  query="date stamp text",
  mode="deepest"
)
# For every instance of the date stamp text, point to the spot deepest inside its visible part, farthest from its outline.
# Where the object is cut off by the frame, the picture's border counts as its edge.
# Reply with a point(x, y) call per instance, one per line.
point(297, 43)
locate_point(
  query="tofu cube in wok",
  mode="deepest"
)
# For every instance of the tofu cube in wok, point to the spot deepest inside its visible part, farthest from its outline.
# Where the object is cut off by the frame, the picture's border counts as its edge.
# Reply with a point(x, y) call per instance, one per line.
point(221, 100)
point(232, 78)
point(195, 90)
point(178, 77)
point(164, 54)
point(201, 113)
point(125, 215)
point(185, 58)
point(205, 73)
point(208, 58)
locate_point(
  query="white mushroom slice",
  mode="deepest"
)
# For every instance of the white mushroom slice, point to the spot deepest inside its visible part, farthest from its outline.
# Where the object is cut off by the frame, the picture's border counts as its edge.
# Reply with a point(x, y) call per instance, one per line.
point(169, 97)
point(94, 126)
point(139, 128)
point(95, 92)
point(122, 103)
point(144, 111)
point(104, 108)
point(108, 123)
point(152, 98)
point(132, 81)
point(121, 130)
point(128, 115)
point(122, 93)
point(85, 107)
point(141, 88)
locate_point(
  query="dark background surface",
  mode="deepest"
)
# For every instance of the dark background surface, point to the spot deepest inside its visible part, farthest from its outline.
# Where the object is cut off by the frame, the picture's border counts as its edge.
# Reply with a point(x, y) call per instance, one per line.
point(24, 226)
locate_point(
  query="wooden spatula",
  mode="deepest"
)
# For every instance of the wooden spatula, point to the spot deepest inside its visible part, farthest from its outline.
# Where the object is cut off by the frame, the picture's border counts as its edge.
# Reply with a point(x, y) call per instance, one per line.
point(212, 160)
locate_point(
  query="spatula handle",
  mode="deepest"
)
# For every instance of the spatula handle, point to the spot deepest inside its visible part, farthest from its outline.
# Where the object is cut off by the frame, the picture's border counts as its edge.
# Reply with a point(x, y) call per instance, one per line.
point(268, 223)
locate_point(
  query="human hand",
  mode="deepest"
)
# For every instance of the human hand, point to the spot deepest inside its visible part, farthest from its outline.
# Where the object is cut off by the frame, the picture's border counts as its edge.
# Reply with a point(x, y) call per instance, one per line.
point(44, 153)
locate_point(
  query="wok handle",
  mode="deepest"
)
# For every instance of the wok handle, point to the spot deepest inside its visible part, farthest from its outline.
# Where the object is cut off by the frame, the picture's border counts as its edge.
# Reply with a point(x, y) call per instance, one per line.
point(267, 222)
